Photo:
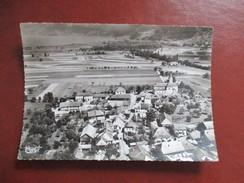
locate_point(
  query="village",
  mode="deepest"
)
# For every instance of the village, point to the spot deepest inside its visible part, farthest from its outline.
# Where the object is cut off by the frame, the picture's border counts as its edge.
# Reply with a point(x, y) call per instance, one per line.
point(168, 121)
point(140, 94)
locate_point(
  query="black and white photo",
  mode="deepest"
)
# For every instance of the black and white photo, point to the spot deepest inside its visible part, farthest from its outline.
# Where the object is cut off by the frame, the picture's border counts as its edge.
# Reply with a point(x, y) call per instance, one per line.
point(117, 92)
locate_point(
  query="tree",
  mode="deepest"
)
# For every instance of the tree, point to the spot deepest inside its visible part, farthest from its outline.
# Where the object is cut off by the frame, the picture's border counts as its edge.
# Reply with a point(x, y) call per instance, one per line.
point(109, 107)
point(28, 112)
point(188, 119)
point(33, 100)
point(48, 97)
point(62, 99)
point(63, 155)
point(162, 73)
point(55, 102)
point(206, 75)
point(84, 91)
point(46, 120)
point(150, 115)
point(56, 144)
point(138, 89)
point(27, 126)
point(70, 134)
point(30, 91)
point(73, 145)
point(26, 98)
point(74, 94)
point(167, 108)
point(209, 118)
point(181, 85)
point(59, 123)
point(111, 149)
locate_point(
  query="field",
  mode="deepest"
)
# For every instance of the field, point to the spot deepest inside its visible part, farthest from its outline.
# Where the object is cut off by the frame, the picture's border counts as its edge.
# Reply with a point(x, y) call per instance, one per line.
point(65, 73)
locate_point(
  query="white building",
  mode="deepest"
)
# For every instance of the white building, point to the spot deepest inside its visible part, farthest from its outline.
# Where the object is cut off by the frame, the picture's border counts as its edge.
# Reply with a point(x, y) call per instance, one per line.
point(120, 90)
point(69, 106)
point(84, 98)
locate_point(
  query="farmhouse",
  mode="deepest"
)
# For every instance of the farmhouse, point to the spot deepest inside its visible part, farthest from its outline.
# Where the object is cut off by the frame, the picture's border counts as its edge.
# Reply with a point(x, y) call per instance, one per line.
point(69, 106)
point(161, 133)
point(100, 96)
point(95, 115)
point(130, 127)
point(87, 135)
point(167, 122)
point(140, 152)
point(84, 98)
point(119, 100)
point(104, 139)
point(118, 124)
point(209, 135)
point(172, 147)
point(141, 109)
point(120, 91)
point(194, 135)
point(207, 125)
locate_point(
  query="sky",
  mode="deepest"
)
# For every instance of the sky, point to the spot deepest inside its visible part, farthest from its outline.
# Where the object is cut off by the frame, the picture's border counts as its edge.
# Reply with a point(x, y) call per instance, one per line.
point(46, 34)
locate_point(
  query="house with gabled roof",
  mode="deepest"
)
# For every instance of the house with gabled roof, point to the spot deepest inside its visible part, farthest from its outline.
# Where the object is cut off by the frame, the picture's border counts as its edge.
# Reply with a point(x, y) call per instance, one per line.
point(104, 139)
point(130, 127)
point(167, 122)
point(209, 135)
point(119, 100)
point(194, 135)
point(154, 125)
point(161, 133)
point(84, 98)
point(172, 147)
point(69, 106)
point(118, 124)
point(189, 147)
point(96, 115)
point(140, 152)
point(206, 125)
point(191, 127)
point(120, 91)
point(87, 135)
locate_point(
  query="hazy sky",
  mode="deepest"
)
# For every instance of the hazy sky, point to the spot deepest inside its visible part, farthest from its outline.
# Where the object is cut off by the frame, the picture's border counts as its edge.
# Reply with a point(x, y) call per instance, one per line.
point(45, 34)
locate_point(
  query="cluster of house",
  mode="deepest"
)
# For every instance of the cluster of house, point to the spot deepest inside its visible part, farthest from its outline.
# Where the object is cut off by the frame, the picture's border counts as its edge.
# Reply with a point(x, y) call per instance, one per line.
point(134, 138)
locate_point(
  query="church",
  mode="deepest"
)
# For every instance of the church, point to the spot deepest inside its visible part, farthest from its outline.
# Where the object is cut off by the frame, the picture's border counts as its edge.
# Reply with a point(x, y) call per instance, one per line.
point(168, 88)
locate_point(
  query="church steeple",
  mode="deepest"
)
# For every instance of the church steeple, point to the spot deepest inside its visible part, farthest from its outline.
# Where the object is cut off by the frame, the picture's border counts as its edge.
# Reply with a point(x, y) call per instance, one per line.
point(171, 79)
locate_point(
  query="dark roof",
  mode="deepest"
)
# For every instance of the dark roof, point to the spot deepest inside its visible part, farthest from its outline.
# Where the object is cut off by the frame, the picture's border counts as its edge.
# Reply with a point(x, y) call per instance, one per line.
point(120, 97)
point(69, 104)
point(100, 95)
point(84, 95)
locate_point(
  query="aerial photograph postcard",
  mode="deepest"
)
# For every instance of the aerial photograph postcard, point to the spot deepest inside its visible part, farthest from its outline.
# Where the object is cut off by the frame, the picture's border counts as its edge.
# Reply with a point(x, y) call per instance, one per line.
point(117, 92)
